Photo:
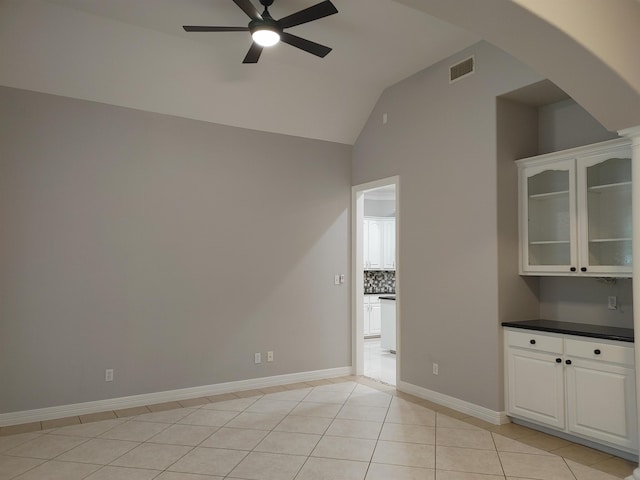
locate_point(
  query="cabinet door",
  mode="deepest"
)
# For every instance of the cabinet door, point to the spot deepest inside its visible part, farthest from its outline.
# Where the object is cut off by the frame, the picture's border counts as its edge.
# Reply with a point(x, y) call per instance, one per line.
point(375, 318)
point(604, 212)
point(548, 218)
point(535, 387)
point(601, 402)
point(366, 316)
point(375, 244)
point(365, 244)
point(389, 243)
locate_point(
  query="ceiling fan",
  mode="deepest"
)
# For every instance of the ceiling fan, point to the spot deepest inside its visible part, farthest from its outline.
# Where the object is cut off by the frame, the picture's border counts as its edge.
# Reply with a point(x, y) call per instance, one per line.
point(265, 31)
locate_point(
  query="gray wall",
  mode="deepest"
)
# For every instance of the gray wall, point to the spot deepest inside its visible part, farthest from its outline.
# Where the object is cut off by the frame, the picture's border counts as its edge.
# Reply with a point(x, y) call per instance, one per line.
point(168, 249)
point(516, 138)
point(441, 140)
point(584, 300)
point(565, 125)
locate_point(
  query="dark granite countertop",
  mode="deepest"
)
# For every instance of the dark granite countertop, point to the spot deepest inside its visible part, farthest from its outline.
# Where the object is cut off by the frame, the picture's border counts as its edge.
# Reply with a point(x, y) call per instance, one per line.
point(387, 297)
point(570, 328)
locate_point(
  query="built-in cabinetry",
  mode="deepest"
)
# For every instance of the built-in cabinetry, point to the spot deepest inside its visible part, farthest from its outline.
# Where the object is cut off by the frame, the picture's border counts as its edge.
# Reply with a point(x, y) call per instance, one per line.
point(372, 315)
point(379, 243)
point(575, 211)
point(582, 386)
point(388, 328)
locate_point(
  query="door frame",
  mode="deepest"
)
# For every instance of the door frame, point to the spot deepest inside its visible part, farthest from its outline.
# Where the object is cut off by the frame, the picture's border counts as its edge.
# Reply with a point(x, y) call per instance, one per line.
point(357, 269)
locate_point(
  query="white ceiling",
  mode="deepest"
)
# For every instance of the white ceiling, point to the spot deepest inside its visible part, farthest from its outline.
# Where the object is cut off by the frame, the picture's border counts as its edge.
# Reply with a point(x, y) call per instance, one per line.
point(156, 66)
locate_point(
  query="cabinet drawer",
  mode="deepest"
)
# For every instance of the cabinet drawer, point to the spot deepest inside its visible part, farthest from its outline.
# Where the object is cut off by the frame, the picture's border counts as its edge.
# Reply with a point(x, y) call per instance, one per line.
point(534, 341)
point(608, 352)
point(374, 299)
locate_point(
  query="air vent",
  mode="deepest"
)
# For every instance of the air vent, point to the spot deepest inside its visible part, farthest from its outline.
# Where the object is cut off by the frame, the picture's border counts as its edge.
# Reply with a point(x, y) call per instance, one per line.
point(462, 69)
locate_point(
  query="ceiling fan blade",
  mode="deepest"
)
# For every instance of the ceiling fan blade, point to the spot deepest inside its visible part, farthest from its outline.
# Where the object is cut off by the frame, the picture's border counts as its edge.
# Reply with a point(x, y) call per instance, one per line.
point(253, 55)
point(306, 45)
point(195, 28)
point(320, 10)
point(248, 8)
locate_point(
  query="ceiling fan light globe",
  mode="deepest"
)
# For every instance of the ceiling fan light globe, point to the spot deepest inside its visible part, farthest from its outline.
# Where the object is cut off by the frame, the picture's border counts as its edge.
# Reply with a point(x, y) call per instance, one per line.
point(265, 37)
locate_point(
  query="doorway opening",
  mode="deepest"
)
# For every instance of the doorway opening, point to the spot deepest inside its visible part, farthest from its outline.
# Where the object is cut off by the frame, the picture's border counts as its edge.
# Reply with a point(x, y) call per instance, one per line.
point(375, 287)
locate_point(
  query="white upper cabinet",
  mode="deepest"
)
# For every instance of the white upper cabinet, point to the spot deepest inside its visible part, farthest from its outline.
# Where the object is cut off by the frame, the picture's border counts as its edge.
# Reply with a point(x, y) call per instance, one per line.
point(575, 211)
point(379, 244)
point(389, 243)
point(372, 244)
point(604, 189)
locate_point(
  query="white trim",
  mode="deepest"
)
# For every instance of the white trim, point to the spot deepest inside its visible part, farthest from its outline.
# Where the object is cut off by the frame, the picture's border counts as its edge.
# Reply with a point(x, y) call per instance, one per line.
point(357, 267)
point(626, 454)
point(483, 413)
point(633, 134)
point(62, 411)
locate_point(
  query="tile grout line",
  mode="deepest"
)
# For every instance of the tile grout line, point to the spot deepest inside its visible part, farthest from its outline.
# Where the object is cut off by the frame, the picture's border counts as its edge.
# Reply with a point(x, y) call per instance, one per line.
point(393, 395)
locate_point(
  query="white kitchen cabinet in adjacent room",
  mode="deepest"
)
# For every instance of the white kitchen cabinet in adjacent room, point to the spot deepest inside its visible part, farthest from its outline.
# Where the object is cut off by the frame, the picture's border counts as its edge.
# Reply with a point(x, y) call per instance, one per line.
point(379, 243)
point(372, 231)
point(372, 315)
point(389, 243)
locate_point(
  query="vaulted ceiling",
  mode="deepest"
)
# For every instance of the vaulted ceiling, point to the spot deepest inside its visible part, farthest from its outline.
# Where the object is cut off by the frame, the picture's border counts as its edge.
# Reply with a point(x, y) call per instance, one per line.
point(134, 53)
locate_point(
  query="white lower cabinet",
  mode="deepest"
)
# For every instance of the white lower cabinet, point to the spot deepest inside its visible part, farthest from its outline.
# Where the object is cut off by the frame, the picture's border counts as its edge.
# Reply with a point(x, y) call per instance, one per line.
point(372, 315)
point(536, 387)
point(578, 385)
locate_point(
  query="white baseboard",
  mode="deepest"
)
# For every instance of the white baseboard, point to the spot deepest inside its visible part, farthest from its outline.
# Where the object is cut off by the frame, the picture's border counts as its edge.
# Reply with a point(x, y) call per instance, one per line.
point(483, 413)
point(62, 411)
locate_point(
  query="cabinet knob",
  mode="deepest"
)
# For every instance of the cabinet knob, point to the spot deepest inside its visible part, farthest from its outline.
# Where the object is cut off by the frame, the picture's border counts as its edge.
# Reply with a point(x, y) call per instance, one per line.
point(597, 351)
point(573, 269)
point(558, 360)
point(583, 269)
point(568, 362)
point(532, 342)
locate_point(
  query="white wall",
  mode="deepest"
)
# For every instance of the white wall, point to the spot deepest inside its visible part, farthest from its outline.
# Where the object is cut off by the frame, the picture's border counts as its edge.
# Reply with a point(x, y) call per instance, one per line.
point(379, 208)
point(441, 140)
point(167, 249)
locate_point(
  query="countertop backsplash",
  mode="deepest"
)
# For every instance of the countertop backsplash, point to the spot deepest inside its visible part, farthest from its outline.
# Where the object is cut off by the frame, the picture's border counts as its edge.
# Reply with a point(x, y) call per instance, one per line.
point(379, 281)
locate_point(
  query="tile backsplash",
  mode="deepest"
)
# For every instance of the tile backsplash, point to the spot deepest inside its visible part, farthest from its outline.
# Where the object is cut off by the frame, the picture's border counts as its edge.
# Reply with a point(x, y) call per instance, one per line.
point(379, 281)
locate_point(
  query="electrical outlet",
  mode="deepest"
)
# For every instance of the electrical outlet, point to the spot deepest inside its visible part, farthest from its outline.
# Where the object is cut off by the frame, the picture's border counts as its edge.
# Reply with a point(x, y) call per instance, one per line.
point(108, 375)
point(613, 303)
point(435, 369)
point(269, 356)
point(257, 358)
point(336, 280)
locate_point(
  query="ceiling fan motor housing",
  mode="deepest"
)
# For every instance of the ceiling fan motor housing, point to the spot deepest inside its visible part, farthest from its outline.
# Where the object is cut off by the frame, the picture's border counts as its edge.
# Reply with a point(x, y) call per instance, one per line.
point(267, 23)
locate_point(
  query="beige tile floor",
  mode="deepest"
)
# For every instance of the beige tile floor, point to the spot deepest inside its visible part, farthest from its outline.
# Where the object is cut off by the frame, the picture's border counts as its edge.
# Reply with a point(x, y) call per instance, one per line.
point(347, 428)
point(379, 364)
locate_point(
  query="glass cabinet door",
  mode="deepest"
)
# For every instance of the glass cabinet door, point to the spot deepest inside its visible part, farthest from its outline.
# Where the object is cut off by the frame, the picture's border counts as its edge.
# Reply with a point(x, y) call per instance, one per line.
point(551, 221)
point(605, 212)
